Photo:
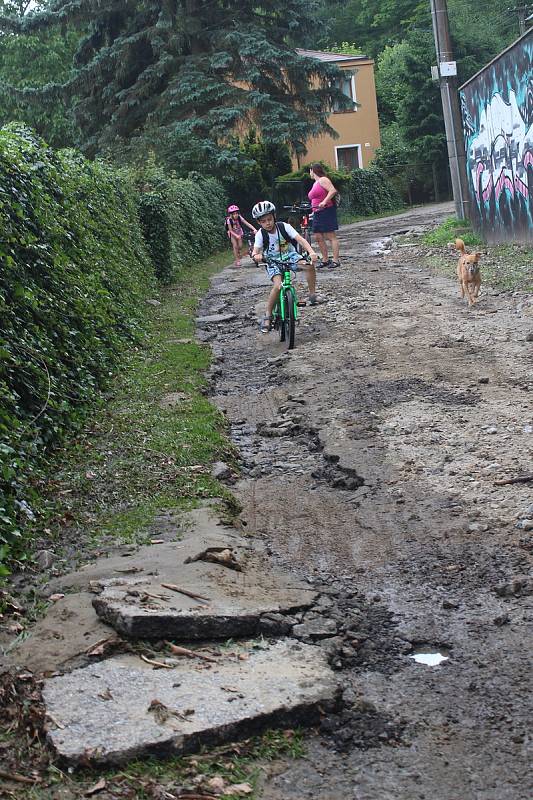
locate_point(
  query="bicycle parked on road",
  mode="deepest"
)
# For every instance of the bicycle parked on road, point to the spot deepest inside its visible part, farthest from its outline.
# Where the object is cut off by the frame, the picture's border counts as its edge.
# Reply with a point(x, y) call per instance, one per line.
point(249, 239)
point(300, 216)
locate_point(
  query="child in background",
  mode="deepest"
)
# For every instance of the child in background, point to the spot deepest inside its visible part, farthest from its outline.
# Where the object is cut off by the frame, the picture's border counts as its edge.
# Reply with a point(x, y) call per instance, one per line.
point(234, 223)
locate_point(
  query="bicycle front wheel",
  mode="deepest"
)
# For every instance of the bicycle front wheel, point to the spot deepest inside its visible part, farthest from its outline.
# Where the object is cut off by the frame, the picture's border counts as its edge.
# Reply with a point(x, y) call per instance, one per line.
point(288, 332)
point(306, 234)
point(281, 317)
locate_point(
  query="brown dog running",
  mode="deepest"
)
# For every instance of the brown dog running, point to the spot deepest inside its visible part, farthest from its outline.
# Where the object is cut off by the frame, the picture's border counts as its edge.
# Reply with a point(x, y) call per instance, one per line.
point(468, 273)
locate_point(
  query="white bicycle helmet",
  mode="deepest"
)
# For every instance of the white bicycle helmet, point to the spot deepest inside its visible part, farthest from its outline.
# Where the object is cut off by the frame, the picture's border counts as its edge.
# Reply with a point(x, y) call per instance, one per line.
point(262, 208)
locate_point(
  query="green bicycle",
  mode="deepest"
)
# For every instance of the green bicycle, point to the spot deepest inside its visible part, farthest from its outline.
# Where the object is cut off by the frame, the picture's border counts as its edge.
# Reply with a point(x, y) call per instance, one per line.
point(285, 313)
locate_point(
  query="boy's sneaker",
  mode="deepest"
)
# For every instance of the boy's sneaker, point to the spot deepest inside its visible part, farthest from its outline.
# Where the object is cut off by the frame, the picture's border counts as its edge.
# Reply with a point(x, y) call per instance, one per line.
point(312, 300)
point(333, 264)
point(321, 264)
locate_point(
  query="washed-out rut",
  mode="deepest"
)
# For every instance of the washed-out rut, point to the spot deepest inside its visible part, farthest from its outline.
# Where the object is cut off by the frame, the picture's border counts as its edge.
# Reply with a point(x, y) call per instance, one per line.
point(400, 408)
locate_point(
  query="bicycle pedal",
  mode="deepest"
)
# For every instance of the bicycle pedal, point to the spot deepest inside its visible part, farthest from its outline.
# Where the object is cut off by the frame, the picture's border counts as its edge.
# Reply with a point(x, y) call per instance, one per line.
point(301, 303)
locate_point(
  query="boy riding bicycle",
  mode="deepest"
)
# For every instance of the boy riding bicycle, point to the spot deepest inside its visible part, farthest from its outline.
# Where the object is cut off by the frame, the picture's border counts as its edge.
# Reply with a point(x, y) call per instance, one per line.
point(274, 242)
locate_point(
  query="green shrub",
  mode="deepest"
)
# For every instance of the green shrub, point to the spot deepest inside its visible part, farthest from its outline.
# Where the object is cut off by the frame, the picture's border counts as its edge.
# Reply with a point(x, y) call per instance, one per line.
point(371, 192)
point(156, 227)
point(339, 179)
point(74, 275)
point(197, 208)
point(452, 229)
point(182, 218)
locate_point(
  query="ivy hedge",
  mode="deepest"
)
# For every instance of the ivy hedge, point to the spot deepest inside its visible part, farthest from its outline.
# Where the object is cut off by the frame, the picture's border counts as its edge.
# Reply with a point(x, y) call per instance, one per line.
point(182, 218)
point(74, 275)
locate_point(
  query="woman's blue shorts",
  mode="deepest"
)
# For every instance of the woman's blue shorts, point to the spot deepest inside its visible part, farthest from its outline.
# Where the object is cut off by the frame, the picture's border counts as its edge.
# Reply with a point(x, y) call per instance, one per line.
point(325, 220)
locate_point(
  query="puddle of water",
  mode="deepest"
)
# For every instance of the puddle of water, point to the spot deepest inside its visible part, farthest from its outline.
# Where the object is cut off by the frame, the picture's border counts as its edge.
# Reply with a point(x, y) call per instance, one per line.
point(429, 659)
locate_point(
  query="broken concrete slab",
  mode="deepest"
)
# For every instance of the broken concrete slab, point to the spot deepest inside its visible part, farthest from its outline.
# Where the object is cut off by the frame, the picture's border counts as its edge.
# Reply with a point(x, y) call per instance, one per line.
point(70, 627)
point(215, 319)
point(181, 597)
point(175, 527)
point(62, 638)
point(121, 709)
point(319, 628)
point(228, 604)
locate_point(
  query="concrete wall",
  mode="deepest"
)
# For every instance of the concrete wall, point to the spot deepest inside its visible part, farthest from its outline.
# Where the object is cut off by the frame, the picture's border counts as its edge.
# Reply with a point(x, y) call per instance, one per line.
point(497, 108)
point(359, 127)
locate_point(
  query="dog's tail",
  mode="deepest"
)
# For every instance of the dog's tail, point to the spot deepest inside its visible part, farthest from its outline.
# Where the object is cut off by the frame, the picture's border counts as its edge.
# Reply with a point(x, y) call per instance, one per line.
point(460, 245)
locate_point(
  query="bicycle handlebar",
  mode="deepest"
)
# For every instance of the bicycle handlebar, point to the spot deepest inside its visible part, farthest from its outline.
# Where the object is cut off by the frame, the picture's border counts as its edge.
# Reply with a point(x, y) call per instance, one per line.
point(287, 264)
point(298, 207)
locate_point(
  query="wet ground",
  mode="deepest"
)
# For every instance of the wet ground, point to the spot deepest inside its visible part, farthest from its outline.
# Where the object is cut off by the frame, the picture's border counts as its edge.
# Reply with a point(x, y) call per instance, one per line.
point(371, 462)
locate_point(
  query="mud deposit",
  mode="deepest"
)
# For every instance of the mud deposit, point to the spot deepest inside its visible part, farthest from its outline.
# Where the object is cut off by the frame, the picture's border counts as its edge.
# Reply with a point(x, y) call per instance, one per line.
point(371, 457)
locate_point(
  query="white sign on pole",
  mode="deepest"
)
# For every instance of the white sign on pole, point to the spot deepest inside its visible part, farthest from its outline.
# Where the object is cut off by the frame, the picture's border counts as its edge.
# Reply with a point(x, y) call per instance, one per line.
point(448, 69)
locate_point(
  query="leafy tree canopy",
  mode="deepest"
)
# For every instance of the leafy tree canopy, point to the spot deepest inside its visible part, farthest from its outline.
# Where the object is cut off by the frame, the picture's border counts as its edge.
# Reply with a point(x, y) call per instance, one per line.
point(346, 48)
point(193, 73)
point(410, 109)
point(372, 24)
point(34, 60)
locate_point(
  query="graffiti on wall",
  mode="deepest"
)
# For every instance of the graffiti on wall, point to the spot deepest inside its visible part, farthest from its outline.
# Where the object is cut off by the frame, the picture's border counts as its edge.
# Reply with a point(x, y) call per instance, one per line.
point(497, 109)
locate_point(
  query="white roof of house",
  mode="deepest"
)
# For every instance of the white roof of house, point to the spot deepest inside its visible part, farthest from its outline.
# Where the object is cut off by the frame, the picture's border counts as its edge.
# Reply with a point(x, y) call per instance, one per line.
point(321, 55)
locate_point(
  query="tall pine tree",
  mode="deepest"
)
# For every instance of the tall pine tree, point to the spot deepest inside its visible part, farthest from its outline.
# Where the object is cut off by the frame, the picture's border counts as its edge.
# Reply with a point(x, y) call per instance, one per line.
point(190, 73)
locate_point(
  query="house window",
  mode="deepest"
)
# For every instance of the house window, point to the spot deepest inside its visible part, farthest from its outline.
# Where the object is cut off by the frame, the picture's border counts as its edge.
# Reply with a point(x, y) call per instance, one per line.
point(348, 157)
point(347, 86)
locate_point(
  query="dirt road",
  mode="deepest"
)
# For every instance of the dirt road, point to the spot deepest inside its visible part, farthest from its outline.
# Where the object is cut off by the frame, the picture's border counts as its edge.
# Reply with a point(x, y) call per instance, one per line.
point(371, 458)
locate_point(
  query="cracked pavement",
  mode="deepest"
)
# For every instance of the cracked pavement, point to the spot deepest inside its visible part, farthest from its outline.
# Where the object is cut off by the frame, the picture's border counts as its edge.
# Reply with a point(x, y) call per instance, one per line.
point(371, 456)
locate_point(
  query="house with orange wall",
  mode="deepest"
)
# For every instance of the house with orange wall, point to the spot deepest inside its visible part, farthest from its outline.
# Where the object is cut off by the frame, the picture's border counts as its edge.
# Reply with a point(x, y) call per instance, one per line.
point(357, 128)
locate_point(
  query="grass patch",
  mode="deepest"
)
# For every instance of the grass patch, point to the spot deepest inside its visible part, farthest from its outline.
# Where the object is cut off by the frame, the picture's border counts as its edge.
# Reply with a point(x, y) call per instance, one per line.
point(149, 446)
point(450, 230)
point(239, 763)
point(506, 267)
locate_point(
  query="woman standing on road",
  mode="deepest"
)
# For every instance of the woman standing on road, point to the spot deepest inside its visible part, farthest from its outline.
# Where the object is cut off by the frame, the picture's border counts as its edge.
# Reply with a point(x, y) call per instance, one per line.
point(324, 215)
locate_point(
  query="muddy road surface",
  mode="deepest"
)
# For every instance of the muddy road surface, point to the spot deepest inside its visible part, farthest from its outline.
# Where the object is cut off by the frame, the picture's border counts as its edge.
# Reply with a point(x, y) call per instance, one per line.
point(373, 461)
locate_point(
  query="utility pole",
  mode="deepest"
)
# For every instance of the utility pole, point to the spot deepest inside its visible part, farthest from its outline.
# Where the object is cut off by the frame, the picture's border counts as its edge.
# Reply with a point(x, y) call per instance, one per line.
point(447, 72)
point(522, 12)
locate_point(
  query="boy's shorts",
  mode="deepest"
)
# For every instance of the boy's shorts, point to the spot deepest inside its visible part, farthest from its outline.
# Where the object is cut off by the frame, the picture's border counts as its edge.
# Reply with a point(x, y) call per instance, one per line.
point(275, 269)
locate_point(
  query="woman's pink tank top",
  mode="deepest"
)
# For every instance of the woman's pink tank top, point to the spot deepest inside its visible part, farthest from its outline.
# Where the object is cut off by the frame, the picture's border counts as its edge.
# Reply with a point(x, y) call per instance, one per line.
point(317, 194)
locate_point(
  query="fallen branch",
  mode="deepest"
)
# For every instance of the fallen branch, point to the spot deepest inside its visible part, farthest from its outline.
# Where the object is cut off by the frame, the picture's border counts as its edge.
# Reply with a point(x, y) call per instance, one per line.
point(105, 646)
point(55, 721)
point(197, 796)
point(174, 588)
point(14, 776)
point(155, 596)
point(158, 664)
point(98, 643)
point(517, 479)
point(184, 651)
